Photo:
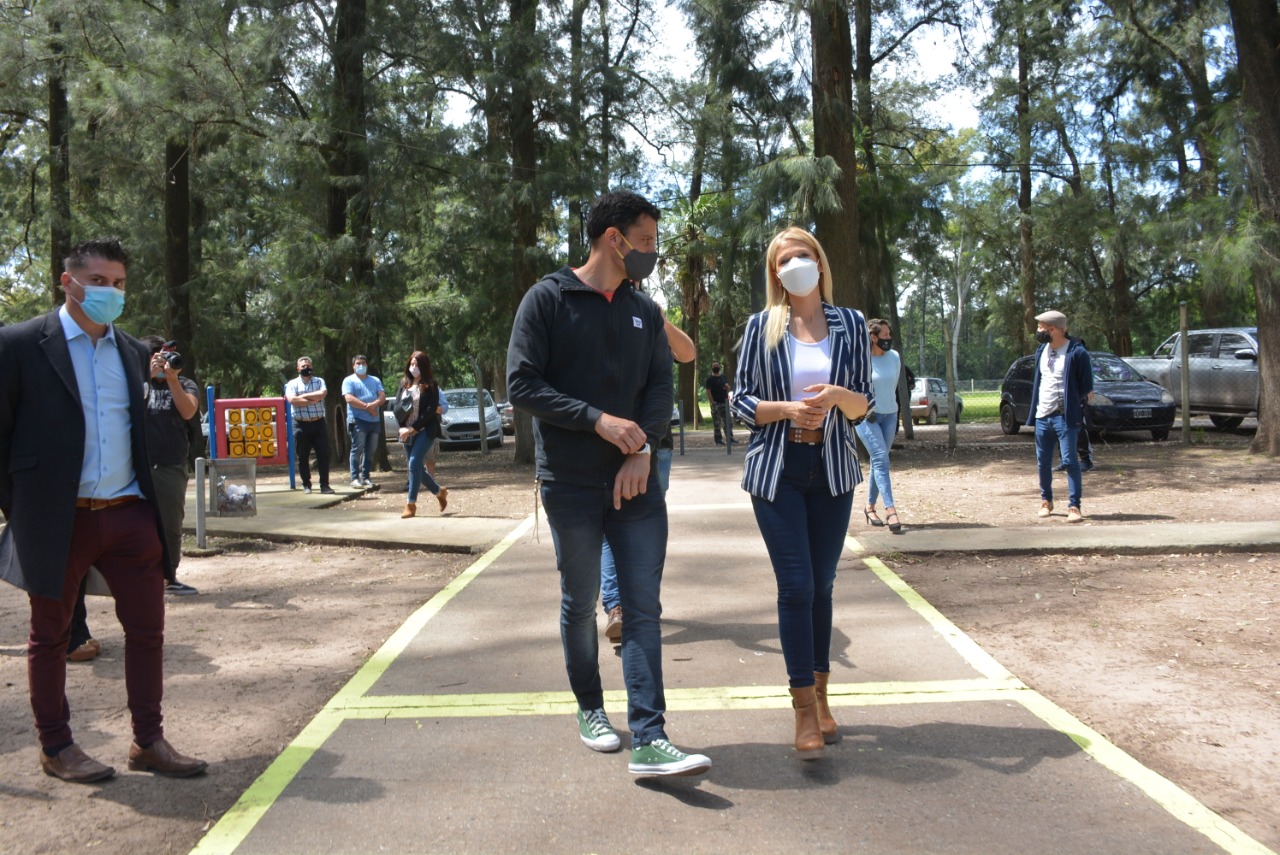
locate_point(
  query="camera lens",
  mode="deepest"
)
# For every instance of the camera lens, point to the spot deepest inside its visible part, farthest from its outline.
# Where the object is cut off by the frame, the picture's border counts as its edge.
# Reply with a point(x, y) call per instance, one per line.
point(174, 360)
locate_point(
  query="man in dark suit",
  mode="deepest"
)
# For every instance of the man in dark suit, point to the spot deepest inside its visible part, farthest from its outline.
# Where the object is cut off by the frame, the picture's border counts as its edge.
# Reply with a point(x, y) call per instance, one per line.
point(76, 491)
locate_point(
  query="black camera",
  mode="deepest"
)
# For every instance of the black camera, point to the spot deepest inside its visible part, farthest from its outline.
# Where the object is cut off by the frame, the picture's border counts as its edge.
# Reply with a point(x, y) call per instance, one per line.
point(170, 353)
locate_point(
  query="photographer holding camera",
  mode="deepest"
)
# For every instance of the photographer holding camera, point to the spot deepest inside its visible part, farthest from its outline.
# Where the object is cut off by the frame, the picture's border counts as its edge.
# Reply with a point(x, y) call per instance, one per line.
point(172, 402)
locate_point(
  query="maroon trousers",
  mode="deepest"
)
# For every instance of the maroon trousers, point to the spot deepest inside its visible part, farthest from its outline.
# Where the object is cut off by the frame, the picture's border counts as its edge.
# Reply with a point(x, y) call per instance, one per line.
point(124, 544)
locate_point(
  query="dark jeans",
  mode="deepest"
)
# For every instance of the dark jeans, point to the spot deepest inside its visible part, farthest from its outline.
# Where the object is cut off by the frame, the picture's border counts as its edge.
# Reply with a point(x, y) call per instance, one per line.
point(364, 444)
point(804, 529)
point(123, 544)
point(580, 519)
point(306, 437)
point(171, 502)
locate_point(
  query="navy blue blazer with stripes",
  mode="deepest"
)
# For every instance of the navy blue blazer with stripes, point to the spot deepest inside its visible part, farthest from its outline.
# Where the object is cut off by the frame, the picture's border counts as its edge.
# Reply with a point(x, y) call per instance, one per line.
point(765, 375)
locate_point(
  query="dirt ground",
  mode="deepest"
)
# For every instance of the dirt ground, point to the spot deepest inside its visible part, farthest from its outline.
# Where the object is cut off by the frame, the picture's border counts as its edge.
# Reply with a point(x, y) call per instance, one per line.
point(1173, 657)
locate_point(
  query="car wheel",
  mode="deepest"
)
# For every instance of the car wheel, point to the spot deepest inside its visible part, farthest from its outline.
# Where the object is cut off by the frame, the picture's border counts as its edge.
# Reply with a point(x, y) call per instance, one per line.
point(1226, 422)
point(933, 416)
point(959, 411)
point(1160, 435)
point(1008, 424)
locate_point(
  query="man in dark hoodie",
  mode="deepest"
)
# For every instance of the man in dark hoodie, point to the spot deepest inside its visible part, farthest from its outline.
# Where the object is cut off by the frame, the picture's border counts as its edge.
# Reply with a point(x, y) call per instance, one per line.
point(1063, 385)
point(589, 359)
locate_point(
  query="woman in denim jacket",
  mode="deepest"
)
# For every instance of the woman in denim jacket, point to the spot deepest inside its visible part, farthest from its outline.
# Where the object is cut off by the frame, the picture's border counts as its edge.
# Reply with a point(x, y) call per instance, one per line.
point(803, 381)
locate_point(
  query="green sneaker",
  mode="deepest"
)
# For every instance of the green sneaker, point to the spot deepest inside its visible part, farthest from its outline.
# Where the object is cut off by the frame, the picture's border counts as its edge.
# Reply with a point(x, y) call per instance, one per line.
point(596, 732)
point(660, 757)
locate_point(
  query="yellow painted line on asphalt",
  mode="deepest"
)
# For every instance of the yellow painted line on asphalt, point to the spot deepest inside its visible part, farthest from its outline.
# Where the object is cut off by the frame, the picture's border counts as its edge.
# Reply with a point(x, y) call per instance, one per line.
point(236, 824)
point(709, 699)
point(1177, 801)
point(978, 659)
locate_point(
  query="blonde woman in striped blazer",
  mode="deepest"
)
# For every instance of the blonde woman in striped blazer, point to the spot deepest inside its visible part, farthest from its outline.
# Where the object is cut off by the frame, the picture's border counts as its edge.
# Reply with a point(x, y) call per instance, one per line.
point(803, 382)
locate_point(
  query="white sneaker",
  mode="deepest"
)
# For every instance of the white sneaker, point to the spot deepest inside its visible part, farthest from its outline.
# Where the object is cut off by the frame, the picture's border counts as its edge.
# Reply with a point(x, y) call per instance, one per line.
point(369, 483)
point(596, 732)
point(356, 485)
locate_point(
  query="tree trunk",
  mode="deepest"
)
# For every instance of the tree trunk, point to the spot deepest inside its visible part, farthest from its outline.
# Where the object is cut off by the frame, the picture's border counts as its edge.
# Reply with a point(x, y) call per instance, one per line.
point(177, 249)
point(1257, 30)
point(59, 165)
point(348, 208)
point(833, 126)
point(874, 249)
point(1026, 253)
point(524, 172)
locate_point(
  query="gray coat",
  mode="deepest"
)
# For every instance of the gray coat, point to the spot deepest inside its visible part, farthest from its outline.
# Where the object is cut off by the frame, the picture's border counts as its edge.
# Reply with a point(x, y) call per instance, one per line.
point(42, 448)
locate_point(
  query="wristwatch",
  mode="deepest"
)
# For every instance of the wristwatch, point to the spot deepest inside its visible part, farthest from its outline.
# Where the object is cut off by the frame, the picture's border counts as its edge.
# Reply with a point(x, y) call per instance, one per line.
point(644, 449)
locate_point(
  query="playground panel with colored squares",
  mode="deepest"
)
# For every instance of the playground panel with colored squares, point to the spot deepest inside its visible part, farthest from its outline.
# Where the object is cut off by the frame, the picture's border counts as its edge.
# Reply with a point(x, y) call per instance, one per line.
point(251, 428)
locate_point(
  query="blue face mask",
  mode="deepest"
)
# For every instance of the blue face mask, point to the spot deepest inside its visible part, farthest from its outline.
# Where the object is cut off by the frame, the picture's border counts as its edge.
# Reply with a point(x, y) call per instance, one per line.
point(101, 303)
point(362, 370)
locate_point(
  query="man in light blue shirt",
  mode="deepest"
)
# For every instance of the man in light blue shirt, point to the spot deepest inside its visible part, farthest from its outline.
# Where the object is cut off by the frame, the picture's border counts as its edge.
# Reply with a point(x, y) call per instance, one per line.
point(364, 396)
point(85, 500)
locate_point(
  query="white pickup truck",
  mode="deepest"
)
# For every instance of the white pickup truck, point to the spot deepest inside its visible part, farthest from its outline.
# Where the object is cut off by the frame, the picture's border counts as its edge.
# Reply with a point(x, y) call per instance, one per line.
point(1223, 365)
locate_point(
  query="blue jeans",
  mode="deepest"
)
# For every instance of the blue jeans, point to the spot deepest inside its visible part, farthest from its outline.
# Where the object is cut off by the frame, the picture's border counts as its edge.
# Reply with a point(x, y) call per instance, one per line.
point(418, 474)
point(877, 438)
point(1051, 429)
point(580, 519)
point(609, 595)
point(364, 444)
point(804, 529)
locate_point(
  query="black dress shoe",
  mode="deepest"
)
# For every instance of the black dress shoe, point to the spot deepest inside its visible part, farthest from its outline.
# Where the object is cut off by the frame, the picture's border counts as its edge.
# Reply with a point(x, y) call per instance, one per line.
point(72, 764)
point(327, 490)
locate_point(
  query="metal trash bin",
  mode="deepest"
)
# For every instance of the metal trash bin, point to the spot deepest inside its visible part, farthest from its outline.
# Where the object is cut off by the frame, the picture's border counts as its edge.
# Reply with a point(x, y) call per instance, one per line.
point(233, 488)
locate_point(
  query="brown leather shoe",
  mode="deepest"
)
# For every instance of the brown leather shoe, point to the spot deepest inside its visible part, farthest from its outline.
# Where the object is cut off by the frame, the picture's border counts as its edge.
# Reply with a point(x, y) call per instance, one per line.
point(613, 628)
point(443, 498)
point(72, 764)
point(410, 510)
point(162, 759)
point(89, 650)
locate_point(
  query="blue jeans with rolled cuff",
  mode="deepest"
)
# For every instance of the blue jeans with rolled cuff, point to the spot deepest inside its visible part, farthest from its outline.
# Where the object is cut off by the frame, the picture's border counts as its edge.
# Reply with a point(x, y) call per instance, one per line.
point(1054, 429)
point(418, 475)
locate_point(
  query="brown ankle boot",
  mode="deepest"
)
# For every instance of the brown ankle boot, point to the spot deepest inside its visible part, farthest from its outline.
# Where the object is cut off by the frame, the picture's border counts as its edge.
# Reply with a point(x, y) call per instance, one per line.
point(808, 736)
point(443, 498)
point(826, 721)
point(410, 510)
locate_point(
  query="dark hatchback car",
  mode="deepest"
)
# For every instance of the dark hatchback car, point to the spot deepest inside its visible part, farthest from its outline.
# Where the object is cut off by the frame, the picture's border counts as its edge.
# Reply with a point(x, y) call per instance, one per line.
point(1123, 399)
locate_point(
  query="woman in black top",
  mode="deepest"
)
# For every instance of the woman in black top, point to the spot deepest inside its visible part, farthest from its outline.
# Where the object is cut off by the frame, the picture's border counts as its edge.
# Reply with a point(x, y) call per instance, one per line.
point(420, 428)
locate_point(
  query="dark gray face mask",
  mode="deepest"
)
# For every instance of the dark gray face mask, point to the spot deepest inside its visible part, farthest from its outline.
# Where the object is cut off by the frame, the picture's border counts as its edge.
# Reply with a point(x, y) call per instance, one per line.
point(885, 344)
point(1043, 337)
point(638, 264)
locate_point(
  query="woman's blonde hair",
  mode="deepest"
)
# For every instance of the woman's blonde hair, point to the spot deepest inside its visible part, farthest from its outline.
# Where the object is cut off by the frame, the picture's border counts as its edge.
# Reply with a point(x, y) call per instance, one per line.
point(777, 301)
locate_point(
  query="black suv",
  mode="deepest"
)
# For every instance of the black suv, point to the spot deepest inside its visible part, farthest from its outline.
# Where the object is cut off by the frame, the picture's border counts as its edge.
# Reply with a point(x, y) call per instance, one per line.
point(1123, 400)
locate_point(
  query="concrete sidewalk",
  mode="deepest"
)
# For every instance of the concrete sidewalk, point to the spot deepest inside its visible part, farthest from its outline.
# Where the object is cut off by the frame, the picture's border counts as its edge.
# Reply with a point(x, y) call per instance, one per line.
point(458, 735)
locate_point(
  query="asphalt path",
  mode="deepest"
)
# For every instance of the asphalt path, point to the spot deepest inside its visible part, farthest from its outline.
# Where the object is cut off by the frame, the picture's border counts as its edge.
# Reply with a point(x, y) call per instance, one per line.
point(458, 734)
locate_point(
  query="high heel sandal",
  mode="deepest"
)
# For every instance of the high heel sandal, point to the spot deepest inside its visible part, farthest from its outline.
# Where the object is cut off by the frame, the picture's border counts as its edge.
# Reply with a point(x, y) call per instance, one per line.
point(870, 514)
point(892, 514)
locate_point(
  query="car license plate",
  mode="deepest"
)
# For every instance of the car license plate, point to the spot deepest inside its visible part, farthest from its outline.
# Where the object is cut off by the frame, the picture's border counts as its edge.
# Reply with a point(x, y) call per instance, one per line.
point(1142, 414)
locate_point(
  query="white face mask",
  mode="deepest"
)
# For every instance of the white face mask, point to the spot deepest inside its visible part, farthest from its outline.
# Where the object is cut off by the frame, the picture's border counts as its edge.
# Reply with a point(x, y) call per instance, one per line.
point(799, 276)
point(413, 369)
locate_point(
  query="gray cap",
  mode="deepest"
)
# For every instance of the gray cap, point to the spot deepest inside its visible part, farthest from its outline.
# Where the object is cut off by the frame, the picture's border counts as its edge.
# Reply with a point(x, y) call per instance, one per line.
point(1053, 318)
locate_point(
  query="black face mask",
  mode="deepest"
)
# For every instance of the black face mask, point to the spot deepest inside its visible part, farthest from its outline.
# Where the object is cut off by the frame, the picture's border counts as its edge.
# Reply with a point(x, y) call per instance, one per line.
point(1043, 337)
point(305, 372)
point(885, 344)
